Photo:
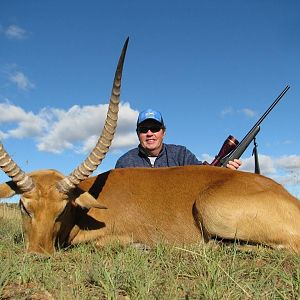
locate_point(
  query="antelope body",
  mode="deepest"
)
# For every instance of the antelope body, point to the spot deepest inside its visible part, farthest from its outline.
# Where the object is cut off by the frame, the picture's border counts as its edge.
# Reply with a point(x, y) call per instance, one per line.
point(193, 203)
point(178, 205)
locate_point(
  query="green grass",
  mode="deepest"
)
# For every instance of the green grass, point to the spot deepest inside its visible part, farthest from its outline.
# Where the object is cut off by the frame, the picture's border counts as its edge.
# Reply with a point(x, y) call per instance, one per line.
point(211, 271)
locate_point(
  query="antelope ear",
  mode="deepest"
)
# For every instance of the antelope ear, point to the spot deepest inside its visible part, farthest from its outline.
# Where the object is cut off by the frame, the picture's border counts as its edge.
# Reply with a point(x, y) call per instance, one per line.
point(8, 189)
point(86, 200)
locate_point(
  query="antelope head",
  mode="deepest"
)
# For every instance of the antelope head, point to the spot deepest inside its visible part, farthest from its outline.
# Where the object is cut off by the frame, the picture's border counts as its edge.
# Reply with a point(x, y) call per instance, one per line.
point(47, 196)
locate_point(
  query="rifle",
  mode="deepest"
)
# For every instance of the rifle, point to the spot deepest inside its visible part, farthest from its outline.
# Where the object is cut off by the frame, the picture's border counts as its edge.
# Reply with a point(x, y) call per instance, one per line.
point(232, 149)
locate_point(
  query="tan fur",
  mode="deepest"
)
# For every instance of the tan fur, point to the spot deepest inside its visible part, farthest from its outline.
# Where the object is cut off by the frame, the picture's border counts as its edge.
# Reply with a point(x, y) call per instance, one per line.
point(179, 205)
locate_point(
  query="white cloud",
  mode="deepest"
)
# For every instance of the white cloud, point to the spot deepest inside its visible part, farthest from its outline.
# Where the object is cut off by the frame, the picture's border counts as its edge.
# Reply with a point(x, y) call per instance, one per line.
point(290, 162)
point(287, 142)
point(206, 157)
point(79, 128)
point(248, 112)
point(27, 124)
point(3, 135)
point(266, 164)
point(28, 128)
point(21, 81)
point(227, 111)
point(289, 179)
point(285, 169)
point(126, 140)
point(15, 32)
point(11, 113)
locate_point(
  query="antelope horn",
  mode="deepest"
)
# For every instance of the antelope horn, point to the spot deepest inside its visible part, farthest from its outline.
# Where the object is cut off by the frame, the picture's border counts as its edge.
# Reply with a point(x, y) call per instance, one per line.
point(7, 164)
point(84, 170)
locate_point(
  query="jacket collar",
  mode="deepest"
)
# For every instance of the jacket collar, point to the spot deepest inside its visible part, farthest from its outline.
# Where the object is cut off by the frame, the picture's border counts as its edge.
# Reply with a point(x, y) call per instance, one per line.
point(143, 152)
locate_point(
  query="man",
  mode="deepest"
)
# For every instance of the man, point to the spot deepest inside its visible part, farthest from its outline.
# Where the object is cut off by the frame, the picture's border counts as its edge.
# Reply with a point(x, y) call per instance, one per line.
point(152, 152)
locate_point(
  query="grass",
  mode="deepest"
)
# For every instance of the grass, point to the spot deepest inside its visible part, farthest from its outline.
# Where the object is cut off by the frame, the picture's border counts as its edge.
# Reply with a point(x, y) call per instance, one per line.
point(211, 271)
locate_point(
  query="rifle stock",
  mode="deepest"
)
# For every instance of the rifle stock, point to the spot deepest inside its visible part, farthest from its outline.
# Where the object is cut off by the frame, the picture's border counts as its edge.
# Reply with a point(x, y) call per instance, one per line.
point(232, 149)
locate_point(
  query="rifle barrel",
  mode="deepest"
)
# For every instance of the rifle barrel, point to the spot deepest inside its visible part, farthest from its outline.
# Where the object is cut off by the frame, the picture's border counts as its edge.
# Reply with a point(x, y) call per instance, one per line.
point(271, 107)
point(241, 147)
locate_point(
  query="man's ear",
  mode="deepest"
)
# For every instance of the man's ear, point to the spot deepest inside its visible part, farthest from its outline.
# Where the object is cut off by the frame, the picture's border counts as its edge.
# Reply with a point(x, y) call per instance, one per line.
point(86, 200)
point(8, 189)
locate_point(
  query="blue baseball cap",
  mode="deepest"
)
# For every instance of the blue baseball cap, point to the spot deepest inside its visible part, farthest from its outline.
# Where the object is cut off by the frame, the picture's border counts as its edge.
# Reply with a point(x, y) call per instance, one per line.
point(150, 114)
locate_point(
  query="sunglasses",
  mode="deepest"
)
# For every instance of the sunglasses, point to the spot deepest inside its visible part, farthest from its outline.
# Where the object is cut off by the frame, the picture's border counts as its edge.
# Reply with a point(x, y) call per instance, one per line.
point(153, 129)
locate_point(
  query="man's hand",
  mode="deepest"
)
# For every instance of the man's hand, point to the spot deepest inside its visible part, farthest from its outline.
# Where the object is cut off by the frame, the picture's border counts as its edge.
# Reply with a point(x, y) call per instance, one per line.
point(234, 165)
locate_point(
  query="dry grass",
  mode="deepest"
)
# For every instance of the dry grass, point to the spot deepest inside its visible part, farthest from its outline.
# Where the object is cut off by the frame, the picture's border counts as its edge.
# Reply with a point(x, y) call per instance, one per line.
point(198, 272)
point(10, 211)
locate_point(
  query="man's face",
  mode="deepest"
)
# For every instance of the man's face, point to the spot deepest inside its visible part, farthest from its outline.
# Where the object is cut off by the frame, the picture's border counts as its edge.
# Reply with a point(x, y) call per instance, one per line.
point(151, 136)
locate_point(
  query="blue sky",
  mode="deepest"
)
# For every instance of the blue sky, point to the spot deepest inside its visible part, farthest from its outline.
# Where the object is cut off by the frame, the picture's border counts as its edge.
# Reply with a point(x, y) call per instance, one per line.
point(211, 67)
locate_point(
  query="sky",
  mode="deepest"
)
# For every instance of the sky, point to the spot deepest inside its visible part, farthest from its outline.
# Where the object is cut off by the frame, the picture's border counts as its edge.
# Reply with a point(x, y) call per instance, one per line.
point(210, 67)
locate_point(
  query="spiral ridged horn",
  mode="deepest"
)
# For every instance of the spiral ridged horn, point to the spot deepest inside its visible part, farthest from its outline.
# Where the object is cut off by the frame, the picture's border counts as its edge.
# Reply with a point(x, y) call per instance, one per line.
point(23, 181)
point(84, 170)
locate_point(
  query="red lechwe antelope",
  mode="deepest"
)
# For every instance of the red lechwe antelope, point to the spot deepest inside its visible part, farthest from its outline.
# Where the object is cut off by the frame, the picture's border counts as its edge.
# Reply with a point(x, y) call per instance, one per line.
point(178, 205)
